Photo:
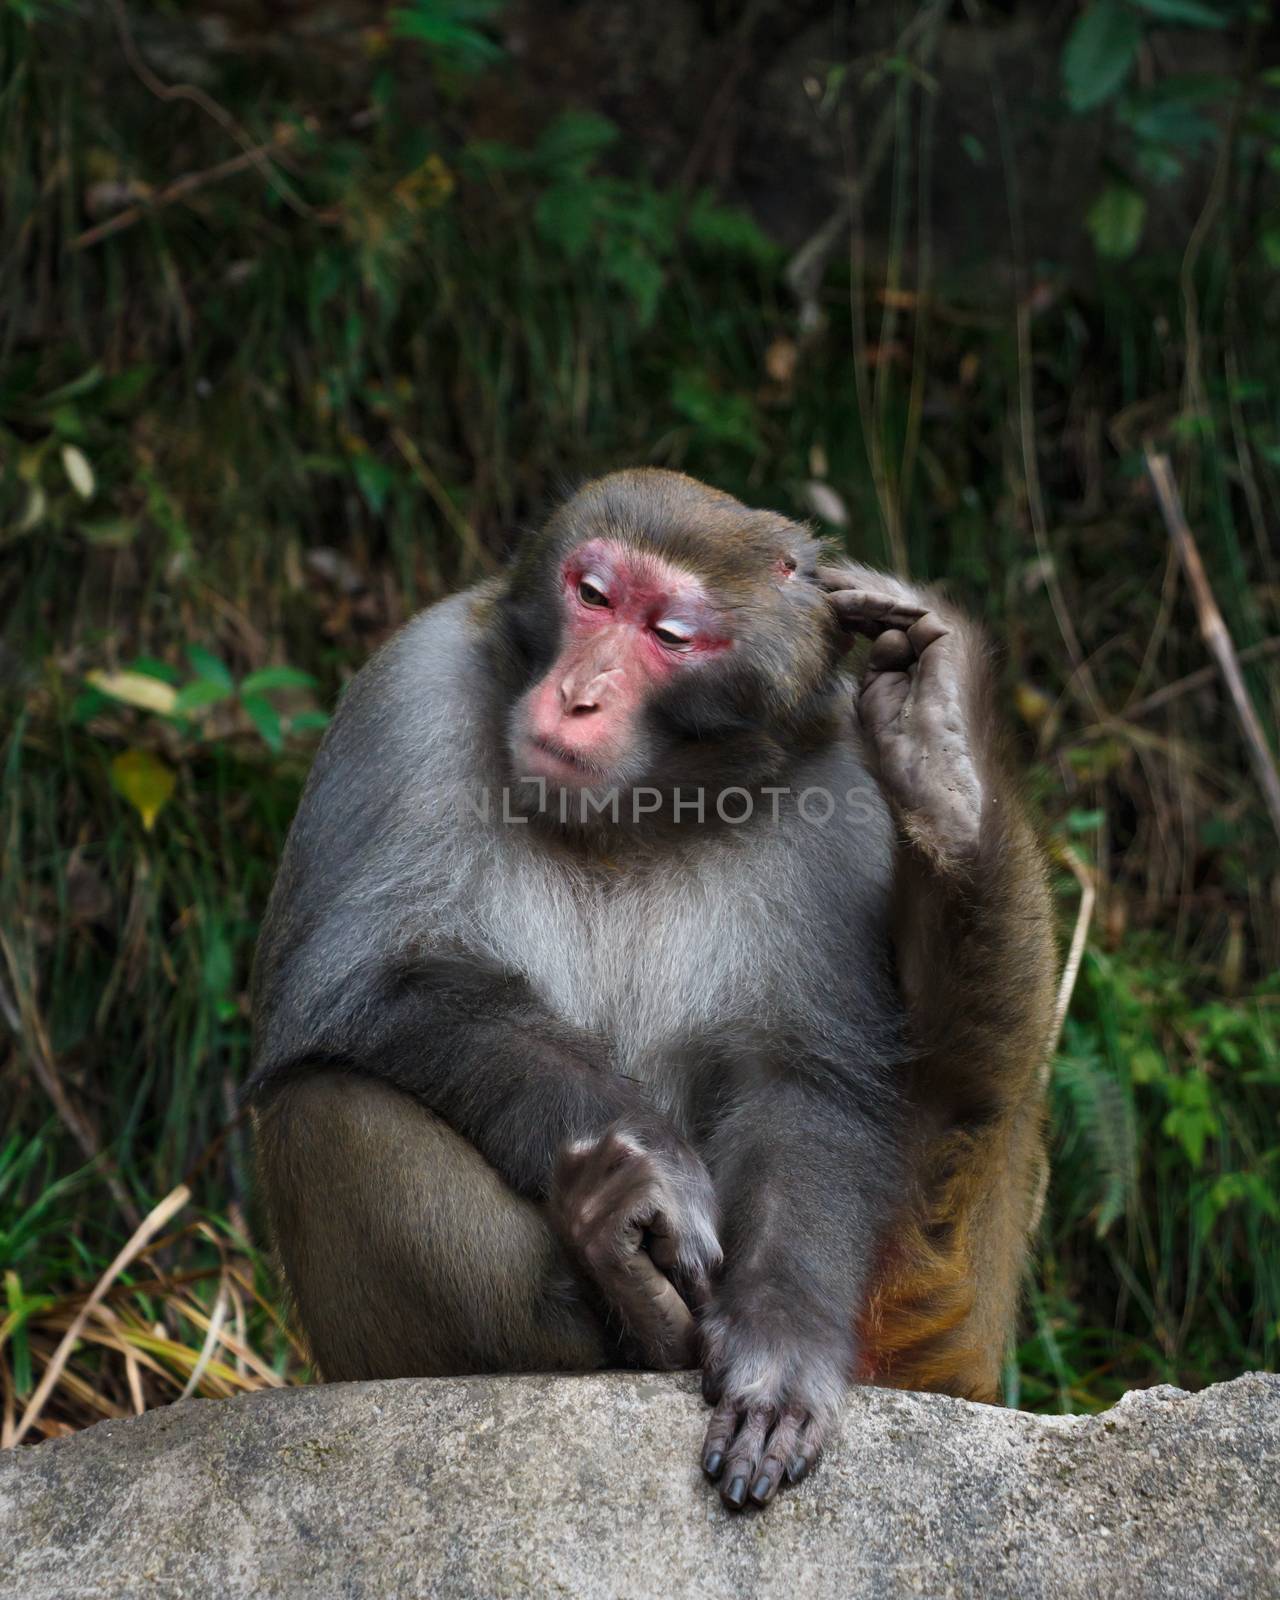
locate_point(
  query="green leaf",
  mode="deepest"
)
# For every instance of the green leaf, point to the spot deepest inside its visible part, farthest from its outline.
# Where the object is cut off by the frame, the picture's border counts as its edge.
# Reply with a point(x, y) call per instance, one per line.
point(725, 418)
point(1158, 165)
point(565, 216)
point(199, 695)
point(1115, 220)
point(111, 533)
point(88, 705)
point(309, 722)
point(151, 668)
point(1193, 1119)
point(974, 148)
point(1099, 54)
point(277, 678)
point(210, 667)
point(219, 965)
point(84, 384)
point(573, 141)
point(145, 781)
point(635, 270)
point(1146, 1065)
point(1270, 242)
point(375, 479)
point(1084, 821)
point(266, 719)
point(727, 229)
point(1168, 121)
point(447, 26)
point(1195, 13)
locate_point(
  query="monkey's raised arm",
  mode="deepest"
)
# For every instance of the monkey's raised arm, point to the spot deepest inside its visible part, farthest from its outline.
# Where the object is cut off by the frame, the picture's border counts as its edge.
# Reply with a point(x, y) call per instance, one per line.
point(972, 923)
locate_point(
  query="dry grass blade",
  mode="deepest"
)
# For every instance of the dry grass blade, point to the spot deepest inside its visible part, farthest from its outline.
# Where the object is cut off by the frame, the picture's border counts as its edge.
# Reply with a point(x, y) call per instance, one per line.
point(211, 1337)
point(146, 1230)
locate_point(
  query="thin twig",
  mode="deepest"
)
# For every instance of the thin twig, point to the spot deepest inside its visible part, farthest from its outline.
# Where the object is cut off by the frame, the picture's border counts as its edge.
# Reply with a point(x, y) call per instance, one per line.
point(1085, 877)
point(1193, 680)
point(177, 190)
point(23, 1017)
point(197, 97)
point(1213, 629)
point(466, 533)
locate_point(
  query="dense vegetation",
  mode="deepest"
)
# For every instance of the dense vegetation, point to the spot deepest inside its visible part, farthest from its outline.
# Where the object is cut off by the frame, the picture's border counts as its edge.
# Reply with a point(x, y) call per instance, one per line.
point(297, 331)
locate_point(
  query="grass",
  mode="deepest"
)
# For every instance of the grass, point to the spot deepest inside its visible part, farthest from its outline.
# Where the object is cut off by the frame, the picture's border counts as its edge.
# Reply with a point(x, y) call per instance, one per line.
point(300, 422)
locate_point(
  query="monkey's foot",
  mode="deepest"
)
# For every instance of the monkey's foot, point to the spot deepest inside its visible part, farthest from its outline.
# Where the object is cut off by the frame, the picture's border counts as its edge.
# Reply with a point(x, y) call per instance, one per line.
point(774, 1404)
point(916, 708)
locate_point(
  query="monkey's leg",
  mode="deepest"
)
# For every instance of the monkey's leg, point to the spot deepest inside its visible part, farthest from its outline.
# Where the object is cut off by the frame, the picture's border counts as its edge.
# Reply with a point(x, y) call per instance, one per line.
point(405, 1253)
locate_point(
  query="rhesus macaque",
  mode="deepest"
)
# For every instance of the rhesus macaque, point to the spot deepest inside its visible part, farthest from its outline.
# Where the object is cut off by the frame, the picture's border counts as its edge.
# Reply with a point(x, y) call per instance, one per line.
point(637, 991)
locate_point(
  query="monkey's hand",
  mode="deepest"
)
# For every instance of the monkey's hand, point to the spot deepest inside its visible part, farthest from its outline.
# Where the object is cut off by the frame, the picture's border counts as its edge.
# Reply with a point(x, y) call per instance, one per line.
point(916, 709)
point(637, 1209)
point(776, 1388)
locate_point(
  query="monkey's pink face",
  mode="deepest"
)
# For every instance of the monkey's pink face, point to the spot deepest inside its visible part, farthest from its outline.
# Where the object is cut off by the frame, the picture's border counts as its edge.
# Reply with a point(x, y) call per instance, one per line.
point(629, 622)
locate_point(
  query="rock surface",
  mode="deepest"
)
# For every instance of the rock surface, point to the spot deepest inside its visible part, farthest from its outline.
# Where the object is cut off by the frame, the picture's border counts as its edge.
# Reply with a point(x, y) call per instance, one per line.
point(589, 1487)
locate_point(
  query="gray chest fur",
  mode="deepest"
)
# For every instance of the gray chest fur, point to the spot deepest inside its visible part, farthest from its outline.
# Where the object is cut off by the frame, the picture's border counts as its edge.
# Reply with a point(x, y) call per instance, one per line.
point(739, 926)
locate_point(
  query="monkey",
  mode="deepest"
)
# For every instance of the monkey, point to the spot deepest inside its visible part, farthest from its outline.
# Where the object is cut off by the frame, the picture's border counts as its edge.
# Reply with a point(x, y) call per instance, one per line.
point(641, 986)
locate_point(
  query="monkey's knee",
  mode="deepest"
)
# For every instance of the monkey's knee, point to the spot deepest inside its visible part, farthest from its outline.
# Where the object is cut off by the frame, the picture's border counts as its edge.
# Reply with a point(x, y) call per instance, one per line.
point(405, 1253)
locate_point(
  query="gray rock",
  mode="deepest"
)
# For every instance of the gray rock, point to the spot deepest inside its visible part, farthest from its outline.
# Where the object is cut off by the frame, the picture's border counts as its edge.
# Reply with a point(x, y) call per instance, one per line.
point(589, 1486)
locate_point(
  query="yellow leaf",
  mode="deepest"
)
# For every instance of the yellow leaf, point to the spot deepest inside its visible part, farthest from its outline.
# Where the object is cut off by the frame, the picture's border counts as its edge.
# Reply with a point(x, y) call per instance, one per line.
point(34, 513)
point(1033, 704)
point(136, 689)
point(145, 782)
point(76, 466)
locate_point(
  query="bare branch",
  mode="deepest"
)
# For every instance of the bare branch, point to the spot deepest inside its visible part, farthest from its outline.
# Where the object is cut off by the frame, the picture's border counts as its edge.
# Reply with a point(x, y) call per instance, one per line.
point(1213, 630)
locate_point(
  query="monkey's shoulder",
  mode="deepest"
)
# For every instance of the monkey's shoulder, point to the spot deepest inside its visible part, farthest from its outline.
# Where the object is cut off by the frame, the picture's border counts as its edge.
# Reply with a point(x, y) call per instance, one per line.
point(414, 709)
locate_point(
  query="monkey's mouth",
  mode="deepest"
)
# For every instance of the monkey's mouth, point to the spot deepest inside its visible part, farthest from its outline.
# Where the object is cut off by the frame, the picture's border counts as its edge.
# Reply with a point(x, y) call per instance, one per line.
point(559, 756)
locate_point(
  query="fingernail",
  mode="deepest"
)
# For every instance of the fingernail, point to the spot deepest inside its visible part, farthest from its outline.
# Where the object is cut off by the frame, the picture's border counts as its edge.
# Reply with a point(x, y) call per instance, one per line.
point(736, 1492)
point(712, 1464)
point(796, 1468)
point(760, 1489)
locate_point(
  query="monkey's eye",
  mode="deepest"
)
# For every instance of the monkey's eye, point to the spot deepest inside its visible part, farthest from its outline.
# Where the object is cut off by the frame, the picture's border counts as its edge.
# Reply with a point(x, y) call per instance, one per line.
point(591, 592)
point(674, 635)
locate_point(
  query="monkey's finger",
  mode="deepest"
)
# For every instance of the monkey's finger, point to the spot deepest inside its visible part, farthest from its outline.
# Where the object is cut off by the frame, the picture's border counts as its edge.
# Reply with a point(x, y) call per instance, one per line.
point(719, 1436)
point(881, 701)
point(611, 1211)
point(780, 1449)
point(853, 580)
point(694, 1287)
point(928, 630)
point(682, 1256)
point(588, 1162)
point(655, 1315)
point(892, 652)
point(808, 1447)
point(713, 1382)
point(741, 1467)
point(866, 612)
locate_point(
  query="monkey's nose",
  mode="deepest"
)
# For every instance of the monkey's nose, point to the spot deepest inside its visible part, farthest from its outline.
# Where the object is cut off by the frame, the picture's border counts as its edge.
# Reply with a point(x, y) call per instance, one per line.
point(580, 700)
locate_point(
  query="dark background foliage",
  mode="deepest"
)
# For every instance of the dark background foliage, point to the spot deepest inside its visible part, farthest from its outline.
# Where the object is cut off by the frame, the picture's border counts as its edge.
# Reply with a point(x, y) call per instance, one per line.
point(305, 311)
